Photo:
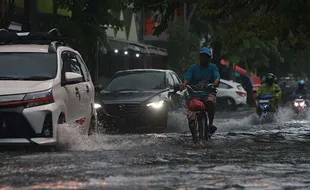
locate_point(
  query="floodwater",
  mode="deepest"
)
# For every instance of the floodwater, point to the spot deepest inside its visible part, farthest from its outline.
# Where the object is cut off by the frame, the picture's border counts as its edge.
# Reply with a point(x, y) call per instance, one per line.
point(242, 155)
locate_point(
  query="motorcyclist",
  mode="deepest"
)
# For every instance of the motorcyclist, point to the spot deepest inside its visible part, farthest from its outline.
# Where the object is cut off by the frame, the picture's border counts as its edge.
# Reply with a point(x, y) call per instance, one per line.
point(301, 90)
point(198, 76)
point(269, 87)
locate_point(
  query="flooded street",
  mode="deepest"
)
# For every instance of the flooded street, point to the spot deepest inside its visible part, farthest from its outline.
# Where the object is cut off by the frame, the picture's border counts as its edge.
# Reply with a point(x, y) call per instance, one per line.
point(241, 155)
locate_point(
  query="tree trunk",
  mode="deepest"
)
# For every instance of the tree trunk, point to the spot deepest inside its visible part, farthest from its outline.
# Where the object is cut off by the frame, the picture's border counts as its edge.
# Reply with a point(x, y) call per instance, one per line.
point(30, 22)
point(224, 71)
point(7, 11)
point(95, 65)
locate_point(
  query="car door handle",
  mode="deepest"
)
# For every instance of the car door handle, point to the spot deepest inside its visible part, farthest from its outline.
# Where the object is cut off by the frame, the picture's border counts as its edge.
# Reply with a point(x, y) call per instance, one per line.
point(87, 88)
point(77, 93)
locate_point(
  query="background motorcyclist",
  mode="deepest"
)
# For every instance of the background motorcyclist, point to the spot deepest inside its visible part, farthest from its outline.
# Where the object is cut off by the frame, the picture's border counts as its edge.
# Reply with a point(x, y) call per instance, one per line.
point(269, 87)
point(301, 89)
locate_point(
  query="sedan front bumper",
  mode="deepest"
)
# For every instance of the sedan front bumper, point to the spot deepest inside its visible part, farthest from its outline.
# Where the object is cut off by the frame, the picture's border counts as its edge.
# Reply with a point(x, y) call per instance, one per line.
point(133, 118)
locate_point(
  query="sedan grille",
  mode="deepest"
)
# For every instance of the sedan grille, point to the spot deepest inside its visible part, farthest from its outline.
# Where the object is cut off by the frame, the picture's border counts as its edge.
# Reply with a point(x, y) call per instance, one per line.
point(123, 110)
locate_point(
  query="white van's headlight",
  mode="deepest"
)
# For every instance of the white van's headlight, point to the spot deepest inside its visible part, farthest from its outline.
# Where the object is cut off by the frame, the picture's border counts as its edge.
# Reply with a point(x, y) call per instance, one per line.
point(38, 98)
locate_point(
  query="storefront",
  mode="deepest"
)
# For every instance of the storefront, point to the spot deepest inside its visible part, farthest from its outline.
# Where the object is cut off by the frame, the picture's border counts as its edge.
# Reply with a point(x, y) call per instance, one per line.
point(129, 55)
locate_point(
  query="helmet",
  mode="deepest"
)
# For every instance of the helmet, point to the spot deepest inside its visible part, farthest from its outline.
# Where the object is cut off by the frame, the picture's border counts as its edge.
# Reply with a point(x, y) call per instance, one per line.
point(207, 51)
point(301, 84)
point(270, 78)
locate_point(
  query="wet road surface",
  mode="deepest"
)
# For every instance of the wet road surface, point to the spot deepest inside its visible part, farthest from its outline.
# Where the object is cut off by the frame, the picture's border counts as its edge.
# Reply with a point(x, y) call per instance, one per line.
point(240, 156)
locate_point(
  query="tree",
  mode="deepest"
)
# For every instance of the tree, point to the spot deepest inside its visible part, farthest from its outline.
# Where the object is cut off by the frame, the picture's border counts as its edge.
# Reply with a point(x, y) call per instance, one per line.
point(183, 46)
point(7, 11)
point(88, 22)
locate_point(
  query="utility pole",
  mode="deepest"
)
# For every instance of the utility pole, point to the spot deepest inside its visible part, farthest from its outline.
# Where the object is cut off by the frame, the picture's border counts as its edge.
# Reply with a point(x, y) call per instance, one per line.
point(96, 63)
point(185, 13)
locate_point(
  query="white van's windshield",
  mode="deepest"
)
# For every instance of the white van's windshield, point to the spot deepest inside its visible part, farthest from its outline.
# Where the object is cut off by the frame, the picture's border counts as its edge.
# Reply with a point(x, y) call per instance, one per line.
point(27, 66)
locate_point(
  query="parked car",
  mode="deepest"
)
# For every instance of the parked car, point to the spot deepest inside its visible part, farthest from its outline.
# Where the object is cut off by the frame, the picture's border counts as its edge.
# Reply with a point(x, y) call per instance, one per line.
point(43, 83)
point(139, 100)
point(231, 95)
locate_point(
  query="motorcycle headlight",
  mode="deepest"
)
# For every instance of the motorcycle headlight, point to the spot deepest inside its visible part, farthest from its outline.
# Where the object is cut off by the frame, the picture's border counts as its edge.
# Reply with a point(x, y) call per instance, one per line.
point(295, 104)
point(302, 103)
point(156, 105)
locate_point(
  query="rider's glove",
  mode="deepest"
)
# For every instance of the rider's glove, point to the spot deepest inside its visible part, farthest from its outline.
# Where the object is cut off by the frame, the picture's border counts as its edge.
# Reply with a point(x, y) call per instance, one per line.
point(182, 86)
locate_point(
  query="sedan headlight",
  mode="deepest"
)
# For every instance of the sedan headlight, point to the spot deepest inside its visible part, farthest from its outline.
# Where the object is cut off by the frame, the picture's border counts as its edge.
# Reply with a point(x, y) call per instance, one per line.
point(96, 106)
point(156, 105)
point(295, 104)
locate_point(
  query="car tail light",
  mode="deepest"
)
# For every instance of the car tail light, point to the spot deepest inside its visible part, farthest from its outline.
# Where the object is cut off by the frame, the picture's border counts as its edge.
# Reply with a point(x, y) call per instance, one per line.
point(240, 87)
point(243, 94)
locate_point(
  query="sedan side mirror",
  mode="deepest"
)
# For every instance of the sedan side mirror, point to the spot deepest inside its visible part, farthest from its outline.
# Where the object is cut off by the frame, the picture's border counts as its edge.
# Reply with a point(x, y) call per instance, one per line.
point(73, 78)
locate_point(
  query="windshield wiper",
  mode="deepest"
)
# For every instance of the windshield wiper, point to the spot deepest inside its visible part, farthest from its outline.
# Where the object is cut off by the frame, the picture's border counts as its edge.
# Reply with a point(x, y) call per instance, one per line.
point(9, 78)
point(36, 78)
point(26, 78)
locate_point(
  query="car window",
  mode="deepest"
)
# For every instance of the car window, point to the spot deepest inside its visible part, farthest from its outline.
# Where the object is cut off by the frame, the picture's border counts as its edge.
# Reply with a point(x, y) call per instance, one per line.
point(224, 86)
point(28, 66)
point(71, 64)
point(137, 80)
point(176, 79)
point(84, 69)
point(170, 80)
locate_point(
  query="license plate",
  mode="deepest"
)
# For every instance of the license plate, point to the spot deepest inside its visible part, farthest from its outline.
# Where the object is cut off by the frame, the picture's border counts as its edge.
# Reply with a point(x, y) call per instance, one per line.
point(3, 124)
point(263, 101)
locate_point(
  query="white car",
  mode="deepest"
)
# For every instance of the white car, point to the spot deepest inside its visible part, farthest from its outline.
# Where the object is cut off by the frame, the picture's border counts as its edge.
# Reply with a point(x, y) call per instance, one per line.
point(231, 94)
point(42, 84)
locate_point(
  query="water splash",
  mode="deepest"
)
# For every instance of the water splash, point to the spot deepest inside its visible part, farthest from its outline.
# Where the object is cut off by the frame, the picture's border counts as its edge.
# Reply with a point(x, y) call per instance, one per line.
point(70, 138)
point(177, 122)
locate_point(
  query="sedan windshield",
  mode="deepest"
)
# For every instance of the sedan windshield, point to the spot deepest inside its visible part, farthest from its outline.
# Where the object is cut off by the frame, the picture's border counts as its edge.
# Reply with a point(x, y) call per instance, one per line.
point(146, 80)
point(28, 66)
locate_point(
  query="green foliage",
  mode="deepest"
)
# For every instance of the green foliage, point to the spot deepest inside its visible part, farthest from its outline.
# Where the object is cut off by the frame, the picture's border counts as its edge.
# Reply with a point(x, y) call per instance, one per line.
point(87, 24)
point(183, 46)
point(253, 53)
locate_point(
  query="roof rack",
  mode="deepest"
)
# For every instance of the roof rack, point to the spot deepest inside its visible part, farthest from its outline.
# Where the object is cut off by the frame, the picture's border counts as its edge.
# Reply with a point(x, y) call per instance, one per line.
point(52, 38)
